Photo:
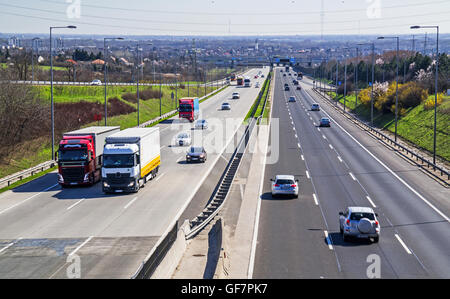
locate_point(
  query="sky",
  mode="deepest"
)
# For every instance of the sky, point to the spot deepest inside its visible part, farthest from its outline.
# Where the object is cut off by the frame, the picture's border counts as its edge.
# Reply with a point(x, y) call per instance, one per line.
point(225, 18)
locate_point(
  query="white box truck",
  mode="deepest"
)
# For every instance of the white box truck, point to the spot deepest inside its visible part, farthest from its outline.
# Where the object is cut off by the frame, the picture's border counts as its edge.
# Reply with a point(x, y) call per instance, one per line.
point(130, 158)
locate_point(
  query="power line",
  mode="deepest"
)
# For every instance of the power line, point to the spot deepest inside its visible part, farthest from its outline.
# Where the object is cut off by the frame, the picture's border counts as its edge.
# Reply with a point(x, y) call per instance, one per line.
point(244, 13)
point(297, 32)
point(225, 24)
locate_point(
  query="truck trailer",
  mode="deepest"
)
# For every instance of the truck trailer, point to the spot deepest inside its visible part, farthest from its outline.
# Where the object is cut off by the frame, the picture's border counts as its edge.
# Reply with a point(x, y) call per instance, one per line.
point(131, 158)
point(79, 155)
point(189, 108)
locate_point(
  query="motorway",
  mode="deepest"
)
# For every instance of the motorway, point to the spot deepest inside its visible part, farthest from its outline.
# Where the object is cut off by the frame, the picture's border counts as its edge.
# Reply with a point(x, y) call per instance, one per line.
point(42, 227)
point(339, 167)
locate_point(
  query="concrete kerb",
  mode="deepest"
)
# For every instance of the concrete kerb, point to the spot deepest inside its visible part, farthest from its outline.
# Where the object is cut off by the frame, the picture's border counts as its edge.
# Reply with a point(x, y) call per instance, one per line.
point(172, 258)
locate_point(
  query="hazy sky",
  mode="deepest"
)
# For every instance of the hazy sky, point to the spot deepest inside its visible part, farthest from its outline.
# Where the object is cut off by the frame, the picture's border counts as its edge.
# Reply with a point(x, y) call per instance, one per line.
point(220, 17)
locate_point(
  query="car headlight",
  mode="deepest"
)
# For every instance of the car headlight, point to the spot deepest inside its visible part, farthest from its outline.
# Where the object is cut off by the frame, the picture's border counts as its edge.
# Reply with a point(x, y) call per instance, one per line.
point(105, 184)
point(60, 178)
point(86, 177)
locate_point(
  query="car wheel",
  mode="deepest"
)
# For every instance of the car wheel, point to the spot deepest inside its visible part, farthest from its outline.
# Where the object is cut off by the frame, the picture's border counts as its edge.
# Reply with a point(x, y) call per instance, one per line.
point(340, 230)
point(376, 239)
point(295, 195)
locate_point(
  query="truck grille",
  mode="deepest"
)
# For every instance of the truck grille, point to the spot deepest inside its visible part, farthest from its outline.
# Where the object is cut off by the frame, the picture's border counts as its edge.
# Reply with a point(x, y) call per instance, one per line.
point(73, 174)
point(118, 178)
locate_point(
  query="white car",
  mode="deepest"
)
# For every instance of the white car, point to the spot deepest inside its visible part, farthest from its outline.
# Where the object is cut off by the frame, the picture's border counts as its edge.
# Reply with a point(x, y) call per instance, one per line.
point(235, 95)
point(257, 85)
point(284, 185)
point(201, 124)
point(96, 82)
point(359, 222)
point(183, 139)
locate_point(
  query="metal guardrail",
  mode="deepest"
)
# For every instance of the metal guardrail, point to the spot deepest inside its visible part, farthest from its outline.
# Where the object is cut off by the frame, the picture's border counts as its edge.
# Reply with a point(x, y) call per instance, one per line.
point(388, 139)
point(7, 181)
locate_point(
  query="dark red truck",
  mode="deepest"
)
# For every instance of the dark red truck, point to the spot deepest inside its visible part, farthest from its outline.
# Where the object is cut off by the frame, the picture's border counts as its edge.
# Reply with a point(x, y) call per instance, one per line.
point(79, 155)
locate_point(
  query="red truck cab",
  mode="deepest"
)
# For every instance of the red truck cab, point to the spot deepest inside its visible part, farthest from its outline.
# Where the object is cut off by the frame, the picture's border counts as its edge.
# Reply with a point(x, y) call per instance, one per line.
point(189, 108)
point(76, 161)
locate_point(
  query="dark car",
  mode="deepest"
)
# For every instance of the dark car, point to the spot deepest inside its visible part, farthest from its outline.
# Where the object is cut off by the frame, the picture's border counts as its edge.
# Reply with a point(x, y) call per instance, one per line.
point(295, 82)
point(299, 88)
point(325, 122)
point(286, 88)
point(196, 153)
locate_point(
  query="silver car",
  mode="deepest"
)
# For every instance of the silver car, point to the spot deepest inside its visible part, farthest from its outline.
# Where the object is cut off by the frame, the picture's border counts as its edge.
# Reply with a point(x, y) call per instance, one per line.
point(359, 222)
point(284, 185)
point(183, 139)
point(226, 106)
point(201, 124)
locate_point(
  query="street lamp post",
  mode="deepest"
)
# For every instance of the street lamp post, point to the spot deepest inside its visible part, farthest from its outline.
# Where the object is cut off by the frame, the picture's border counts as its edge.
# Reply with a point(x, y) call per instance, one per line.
point(105, 70)
point(396, 82)
point(51, 86)
point(32, 58)
point(435, 86)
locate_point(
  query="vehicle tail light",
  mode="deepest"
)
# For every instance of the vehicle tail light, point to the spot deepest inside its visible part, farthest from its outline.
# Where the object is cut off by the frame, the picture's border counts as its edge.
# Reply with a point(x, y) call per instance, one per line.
point(348, 222)
point(276, 185)
point(376, 223)
point(293, 186)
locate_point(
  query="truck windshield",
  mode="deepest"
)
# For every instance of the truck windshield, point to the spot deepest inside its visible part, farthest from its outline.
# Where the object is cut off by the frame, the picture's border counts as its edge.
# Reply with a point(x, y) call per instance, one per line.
point(73, 155)
point(185, 108)
point(118, 161)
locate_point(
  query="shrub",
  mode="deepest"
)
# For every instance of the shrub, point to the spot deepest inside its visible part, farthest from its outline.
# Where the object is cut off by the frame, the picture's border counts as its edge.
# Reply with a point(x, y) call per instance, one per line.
point(429, 104)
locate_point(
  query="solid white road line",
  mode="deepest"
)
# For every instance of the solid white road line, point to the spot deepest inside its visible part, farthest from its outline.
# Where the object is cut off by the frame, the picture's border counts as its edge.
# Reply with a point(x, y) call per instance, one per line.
point(82, 244)
point(80, 201)
point(23, 201)
point(130, 203)
point(403, 244)
point(330, 246)
point(371, 202)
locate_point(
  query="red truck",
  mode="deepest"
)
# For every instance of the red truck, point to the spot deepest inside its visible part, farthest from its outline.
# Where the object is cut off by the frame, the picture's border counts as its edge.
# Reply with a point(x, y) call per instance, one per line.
point(79, 155)
point(189, 108)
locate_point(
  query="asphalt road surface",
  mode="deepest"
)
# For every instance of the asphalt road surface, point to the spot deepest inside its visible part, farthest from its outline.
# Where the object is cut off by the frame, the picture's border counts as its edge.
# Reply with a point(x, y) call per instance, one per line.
point(338, 167)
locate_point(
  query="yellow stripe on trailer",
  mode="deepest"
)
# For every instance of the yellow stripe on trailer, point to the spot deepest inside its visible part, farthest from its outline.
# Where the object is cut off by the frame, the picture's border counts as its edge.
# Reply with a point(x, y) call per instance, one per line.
point(150, 166)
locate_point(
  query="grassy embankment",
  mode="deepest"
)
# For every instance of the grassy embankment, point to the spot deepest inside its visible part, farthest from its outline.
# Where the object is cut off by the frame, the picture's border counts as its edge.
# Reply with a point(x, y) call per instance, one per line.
point(416, 126)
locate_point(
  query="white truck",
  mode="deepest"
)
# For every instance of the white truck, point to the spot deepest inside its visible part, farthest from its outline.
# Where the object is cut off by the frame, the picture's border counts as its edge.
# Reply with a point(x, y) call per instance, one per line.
point(130, 158)
point(247, 82)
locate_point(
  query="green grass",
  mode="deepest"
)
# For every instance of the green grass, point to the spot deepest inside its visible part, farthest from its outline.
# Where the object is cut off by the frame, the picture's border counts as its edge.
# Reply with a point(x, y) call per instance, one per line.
point(40, 150)
point(262, 92)
point(416, 126)
point(28, 179)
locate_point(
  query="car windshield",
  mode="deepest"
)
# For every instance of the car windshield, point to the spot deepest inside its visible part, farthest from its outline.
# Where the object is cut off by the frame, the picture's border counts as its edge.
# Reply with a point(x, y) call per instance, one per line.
point(73, 155)
point(360, 215)
point(196, 150)
point(183, 135)
point(225, 104)
point(284, 182)
point(118, 161)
